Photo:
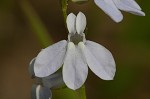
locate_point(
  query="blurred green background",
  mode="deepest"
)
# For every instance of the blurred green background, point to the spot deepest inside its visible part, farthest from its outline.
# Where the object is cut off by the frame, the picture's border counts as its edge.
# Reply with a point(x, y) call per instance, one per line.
point(129, 42)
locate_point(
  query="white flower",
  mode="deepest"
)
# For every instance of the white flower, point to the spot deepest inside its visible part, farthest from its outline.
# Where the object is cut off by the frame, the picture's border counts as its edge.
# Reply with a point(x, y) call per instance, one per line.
point(112, 7)
point(76, 55)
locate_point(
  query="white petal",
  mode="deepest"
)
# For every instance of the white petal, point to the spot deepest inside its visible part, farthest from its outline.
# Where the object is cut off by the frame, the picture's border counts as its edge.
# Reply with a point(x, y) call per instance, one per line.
point(99, 60)
point(110, 9)
point(80, 22)
point(71, 21)
point(75, 69)
point(50, 59)
point(133, 4)
point(129, 6)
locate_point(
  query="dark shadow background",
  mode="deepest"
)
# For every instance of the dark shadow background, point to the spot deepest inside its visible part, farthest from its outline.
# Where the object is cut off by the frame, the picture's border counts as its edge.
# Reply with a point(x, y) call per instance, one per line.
point(129, 41)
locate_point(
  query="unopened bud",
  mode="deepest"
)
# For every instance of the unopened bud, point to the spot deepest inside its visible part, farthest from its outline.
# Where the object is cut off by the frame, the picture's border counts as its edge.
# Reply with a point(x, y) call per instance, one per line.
point(40, 92)
point(31, 68)
point(53, 81)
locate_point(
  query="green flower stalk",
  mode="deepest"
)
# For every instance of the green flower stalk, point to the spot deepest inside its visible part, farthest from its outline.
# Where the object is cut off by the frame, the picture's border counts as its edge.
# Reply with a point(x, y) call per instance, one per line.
point(80, 1)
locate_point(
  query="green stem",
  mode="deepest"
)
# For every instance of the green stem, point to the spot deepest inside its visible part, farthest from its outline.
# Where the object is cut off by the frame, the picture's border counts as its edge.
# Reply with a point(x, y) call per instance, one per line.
point(81, 92)
point(36, 25)
point(64, 4)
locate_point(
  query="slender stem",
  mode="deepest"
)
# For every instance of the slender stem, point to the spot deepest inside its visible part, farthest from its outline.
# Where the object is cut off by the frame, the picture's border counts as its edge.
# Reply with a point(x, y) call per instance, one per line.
point(81, 92)
point(36, 24)
point(64, 4)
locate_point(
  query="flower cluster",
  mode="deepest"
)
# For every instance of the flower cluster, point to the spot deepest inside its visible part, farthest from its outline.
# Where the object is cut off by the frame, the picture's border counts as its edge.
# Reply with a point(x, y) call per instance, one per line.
point(76, 55)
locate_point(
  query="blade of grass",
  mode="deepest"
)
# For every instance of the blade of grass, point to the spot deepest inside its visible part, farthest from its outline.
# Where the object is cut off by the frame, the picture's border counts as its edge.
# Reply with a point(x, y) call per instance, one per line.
point(36, 25)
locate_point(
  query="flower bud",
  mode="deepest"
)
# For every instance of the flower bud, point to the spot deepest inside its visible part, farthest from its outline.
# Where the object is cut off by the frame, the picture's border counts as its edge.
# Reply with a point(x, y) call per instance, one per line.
point(40, 92)
point(31, 68)
point(53, 81)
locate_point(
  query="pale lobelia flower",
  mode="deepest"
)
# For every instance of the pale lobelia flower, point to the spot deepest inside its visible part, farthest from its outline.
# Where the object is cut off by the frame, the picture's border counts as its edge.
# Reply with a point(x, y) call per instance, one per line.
point(76, 55)
point(112, 7)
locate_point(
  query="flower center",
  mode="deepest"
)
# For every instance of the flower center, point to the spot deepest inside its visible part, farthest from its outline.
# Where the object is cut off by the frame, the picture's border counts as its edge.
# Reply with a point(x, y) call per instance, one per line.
point(76, 38)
